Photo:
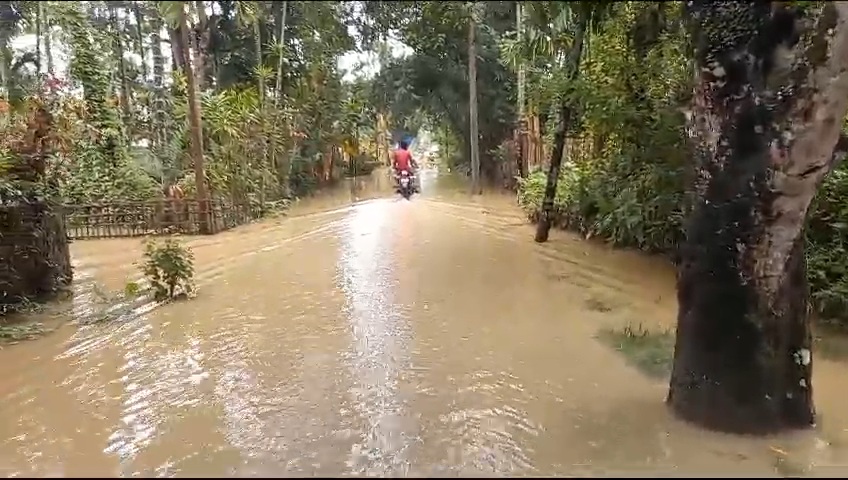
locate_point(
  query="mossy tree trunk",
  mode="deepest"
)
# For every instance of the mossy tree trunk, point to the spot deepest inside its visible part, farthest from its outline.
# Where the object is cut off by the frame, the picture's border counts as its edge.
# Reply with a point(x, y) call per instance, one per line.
point(767, 116)
point(35, 259)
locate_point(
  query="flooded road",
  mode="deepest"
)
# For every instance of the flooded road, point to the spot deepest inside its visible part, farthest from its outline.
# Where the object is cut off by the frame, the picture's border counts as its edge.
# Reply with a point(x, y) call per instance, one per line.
point(367, 335)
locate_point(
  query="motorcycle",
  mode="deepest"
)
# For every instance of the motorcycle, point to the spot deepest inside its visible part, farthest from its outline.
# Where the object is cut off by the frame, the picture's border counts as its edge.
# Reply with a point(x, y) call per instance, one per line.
point(405, 186)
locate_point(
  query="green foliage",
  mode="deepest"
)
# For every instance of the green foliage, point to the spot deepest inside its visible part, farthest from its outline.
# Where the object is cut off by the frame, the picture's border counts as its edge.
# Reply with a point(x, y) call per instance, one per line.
point(87, 175)
point(624, 188)
point(302, 179)
point(629, 187)
point(132, 289)
point(827, 247)
point(169, 267)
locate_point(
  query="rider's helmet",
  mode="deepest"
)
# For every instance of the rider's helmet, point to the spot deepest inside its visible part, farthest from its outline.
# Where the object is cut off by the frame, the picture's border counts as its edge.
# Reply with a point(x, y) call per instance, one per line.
point(404, 145)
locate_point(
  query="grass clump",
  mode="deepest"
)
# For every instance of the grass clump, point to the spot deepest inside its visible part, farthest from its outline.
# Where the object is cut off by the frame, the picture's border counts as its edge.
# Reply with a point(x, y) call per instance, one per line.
point(650, 352)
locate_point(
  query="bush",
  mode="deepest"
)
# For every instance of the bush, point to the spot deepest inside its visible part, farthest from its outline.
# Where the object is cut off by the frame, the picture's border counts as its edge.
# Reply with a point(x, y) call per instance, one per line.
point(302, 180)
point(827, 252)
point(169, 267)
point(641, 209)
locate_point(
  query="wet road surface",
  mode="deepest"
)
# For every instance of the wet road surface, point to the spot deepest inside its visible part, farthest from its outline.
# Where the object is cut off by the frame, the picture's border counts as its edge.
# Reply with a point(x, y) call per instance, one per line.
point(367, 335)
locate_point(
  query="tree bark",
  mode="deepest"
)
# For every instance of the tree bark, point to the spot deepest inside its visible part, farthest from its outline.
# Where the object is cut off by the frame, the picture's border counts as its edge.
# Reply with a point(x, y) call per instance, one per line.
point(543, 228)
point(179, 49)
point(522, 119)
point(48, 42)
point(202, 44)
point(118, 52)
point(767, 114)
point(196, 128)
point(159, 115)
point(257, 39)
point(139, 31)
point(281, 40)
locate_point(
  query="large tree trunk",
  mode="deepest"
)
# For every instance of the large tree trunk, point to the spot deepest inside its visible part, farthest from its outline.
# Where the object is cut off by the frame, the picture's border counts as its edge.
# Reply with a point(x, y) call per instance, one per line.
point(35, 260)
point(543, 228)
point(767, 116)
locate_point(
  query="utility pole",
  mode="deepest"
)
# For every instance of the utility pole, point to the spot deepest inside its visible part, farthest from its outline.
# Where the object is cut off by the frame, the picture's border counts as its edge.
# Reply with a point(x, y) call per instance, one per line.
point(472, 101)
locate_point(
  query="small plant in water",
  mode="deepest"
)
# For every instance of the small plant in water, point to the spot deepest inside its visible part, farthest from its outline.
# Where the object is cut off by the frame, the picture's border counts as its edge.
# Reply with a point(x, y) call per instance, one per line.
point(132, 289)
point(169, 267)
point(650, 352)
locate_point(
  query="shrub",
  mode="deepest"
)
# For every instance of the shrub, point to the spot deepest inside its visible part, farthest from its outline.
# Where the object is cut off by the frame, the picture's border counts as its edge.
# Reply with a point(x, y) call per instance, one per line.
point(169, 267)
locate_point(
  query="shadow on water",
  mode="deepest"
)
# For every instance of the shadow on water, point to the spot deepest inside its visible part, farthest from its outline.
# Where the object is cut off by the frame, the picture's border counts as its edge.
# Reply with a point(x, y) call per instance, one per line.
point(364, 334)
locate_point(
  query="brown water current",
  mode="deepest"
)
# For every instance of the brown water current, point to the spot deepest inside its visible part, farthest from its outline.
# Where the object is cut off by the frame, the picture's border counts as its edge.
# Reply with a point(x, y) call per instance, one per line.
point(362, 334)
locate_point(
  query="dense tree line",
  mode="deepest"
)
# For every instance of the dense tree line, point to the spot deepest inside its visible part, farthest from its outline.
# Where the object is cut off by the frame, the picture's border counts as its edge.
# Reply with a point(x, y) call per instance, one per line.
point(272, 112)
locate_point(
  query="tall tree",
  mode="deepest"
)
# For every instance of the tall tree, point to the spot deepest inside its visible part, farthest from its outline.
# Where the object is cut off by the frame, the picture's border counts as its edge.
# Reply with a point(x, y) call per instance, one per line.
point(522, 84)
point(767, 115)
point(9, 21)
point(39, 29)
point(195, 121)
point(47, 34)
point(473, 129)
point(140, 24)
point(281, 45)
point(118, 54)
point(202, 44)
point(159, 101)
point(583, 13)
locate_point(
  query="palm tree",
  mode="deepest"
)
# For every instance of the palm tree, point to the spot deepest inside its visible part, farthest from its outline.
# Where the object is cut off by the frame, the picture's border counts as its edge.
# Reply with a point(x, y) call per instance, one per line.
point(175, 13)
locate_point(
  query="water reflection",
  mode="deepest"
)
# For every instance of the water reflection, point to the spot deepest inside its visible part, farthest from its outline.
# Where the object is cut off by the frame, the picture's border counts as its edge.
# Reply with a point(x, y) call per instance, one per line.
point(380, 333)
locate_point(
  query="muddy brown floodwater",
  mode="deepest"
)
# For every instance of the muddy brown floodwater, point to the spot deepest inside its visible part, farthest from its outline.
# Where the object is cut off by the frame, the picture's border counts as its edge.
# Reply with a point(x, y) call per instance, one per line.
point(366, 335)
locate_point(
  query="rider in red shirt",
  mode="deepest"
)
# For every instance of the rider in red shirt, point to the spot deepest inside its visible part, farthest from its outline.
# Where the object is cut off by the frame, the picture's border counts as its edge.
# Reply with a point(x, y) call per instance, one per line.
point(402, 160)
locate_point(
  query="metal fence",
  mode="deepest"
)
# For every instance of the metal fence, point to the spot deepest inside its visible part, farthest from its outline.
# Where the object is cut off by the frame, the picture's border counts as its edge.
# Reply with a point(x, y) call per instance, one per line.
point(159, 217)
